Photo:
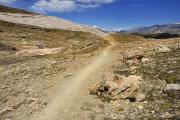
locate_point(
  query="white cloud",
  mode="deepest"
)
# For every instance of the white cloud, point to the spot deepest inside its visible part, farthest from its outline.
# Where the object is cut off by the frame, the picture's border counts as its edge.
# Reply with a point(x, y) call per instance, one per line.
point(95, 1)
point(117, 29)
point(6, 2)
point(43, 6)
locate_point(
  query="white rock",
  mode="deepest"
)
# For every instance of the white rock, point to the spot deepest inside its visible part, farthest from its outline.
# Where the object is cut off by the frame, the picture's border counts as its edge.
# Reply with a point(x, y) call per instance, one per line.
point(166, 115)
point(140, 97)
point(178, 46)
point(162, 48)
point(132, 68)
point(53, 62)
point(145, 102)
point(140, 107)
point(153, 112)
point(172, 87)
point(144, 60)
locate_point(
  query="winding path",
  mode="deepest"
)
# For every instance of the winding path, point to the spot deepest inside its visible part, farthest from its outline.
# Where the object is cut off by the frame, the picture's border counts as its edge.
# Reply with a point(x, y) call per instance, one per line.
point(70, 95)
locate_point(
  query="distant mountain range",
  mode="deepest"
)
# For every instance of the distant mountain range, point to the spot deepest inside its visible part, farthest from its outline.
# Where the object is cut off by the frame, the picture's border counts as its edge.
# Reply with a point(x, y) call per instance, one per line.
point(24, 17)
point(155, 29)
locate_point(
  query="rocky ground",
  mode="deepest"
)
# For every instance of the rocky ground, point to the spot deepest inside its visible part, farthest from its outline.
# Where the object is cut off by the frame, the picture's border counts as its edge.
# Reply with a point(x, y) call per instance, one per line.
point(111, 78)
point(144, 84)
point(28, 86)
point(33, 60)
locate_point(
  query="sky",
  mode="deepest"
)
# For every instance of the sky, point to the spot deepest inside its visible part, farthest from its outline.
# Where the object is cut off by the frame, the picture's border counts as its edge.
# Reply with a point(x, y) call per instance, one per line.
point(107, 14)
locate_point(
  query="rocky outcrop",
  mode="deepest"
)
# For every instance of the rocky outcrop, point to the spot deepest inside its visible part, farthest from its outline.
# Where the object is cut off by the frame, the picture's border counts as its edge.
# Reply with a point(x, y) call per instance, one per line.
point(162, 49)
point(117, 87)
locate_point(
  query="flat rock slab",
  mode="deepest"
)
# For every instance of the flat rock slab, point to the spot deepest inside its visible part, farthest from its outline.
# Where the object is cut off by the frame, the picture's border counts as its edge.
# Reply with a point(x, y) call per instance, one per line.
point(172, 87)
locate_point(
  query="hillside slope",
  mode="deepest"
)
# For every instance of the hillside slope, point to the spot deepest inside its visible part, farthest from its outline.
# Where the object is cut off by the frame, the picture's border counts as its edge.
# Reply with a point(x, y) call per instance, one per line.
point(21, 36)
point(13, 10)
point(22, 17)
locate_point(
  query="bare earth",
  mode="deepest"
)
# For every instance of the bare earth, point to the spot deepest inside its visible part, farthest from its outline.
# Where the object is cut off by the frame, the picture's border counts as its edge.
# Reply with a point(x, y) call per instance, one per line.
point(57, 94)
point(47, 22)
point(69, 97)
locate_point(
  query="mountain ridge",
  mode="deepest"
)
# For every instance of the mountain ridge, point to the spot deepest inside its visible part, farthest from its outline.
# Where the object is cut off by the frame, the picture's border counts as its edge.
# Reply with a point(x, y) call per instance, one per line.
point(154, 29)
point(23, 17)
point(7, 9)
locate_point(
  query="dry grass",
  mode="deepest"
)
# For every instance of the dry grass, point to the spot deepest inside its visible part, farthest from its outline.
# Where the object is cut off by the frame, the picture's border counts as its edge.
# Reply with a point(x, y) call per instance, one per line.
point(19, 35)
point(13, 10)
point(126, 38)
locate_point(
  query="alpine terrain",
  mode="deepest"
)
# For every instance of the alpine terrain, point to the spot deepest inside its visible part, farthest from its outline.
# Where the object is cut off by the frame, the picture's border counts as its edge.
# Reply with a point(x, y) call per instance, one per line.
point(55, 69)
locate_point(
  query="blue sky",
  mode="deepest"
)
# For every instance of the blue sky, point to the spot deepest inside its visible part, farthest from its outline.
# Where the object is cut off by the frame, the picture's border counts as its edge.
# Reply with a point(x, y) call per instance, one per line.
point(108, 14)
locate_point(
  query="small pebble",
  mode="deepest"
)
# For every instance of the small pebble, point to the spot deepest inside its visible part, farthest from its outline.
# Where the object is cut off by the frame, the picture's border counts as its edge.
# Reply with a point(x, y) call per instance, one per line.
point(140, 107)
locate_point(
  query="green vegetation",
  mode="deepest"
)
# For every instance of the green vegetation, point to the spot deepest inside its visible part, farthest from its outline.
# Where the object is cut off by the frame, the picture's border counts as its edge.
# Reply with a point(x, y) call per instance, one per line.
point(158, 35)
point(161, 36)
point(120, 109)
point(169, 78)
point(126, 38)
point(165, 106)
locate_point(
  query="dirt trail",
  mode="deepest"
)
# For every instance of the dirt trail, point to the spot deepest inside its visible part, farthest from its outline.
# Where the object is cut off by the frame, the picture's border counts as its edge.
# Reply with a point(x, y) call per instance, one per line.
point(70, 96)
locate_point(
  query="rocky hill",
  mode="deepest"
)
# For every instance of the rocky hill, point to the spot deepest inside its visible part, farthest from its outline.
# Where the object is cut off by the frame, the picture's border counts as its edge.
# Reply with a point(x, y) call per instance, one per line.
point(28, 18)
point(13, 10)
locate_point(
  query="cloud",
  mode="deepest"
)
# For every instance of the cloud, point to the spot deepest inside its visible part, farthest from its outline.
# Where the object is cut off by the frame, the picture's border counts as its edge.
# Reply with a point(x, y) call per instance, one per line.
point(44, 6)
point(95, 1)
point(7, 2)
point(117, 29)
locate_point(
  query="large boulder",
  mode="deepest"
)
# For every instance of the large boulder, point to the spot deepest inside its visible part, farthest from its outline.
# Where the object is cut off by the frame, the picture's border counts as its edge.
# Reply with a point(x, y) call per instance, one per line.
point(117, 87)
